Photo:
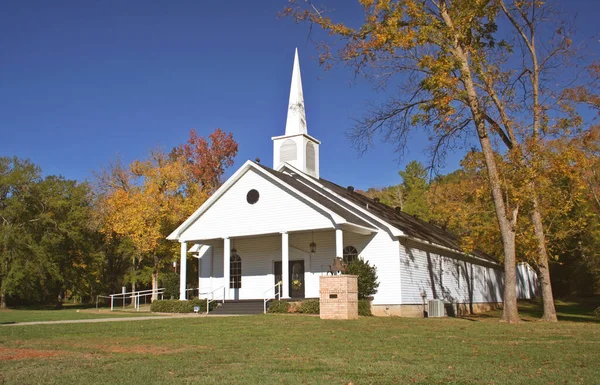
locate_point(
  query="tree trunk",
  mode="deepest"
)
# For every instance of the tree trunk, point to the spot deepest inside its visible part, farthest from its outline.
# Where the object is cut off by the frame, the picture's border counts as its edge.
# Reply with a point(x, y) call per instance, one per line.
point(155, 279)
point(542, 263)
point(506, 222)
point(3, 300)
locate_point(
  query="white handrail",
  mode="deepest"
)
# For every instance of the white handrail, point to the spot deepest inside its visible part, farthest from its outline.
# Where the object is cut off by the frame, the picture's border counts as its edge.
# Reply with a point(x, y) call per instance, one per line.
point(276, 294)
point(212, 299)
point(135, 296)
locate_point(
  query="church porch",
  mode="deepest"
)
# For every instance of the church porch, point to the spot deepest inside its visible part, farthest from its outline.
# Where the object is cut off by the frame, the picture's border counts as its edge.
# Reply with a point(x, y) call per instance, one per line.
point(252, 265)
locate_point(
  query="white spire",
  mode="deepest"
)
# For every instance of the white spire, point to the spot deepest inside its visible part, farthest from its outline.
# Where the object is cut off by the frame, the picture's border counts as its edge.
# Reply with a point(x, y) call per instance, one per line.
point(296, 116)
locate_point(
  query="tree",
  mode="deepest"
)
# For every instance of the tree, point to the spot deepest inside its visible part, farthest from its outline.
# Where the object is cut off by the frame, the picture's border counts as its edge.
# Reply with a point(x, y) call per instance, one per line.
point(17, 212)
point(458, 63)
point(47, 248)
point(438, 47)
point(147, 200)
point(367, 277)
point(414, 190)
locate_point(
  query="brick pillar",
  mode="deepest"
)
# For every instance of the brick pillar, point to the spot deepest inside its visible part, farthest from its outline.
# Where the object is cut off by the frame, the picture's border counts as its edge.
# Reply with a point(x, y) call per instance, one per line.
point(339, 296)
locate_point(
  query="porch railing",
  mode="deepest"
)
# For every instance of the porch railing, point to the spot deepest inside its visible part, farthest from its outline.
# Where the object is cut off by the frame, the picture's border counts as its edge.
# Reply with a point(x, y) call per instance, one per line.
point(212, 297)
point(276, 290)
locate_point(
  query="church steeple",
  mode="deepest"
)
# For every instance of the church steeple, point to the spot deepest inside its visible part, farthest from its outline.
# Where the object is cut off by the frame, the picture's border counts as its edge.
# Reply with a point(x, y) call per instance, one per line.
point(296, 116)
point(296, 147)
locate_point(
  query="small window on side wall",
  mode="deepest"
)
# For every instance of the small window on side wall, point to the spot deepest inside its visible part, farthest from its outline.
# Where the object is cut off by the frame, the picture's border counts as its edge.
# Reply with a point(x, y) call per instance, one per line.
point(350, 254)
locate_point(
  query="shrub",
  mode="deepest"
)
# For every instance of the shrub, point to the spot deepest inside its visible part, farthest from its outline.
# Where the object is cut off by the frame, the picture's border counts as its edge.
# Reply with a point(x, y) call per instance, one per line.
point(310, 306)
point(364, 307)
point(170, 281)
point(177, 306)
point(367, 277)
point(278, 307)
point(597, 311)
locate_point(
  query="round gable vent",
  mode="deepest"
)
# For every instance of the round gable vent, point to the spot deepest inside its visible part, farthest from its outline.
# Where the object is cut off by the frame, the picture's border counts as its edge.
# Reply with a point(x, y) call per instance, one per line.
point(252, 196)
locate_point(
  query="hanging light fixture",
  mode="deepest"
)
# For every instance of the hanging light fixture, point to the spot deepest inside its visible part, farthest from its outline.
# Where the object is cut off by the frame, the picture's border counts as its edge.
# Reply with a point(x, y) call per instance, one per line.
point(313, 245)
point(233, 249)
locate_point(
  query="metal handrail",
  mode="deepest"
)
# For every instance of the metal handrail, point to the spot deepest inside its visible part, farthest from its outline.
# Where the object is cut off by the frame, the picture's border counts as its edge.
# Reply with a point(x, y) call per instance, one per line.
point(160, 292)
point(134, 296)
point(276, 294)
point(212, 293)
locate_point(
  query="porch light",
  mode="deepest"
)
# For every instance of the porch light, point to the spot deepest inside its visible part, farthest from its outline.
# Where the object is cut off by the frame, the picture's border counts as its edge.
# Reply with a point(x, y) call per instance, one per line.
point(313, 245)
point(233, 250)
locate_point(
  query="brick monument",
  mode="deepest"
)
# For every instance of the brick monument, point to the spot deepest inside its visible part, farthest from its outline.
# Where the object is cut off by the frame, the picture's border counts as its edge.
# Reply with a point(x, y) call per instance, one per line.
point(339, 296)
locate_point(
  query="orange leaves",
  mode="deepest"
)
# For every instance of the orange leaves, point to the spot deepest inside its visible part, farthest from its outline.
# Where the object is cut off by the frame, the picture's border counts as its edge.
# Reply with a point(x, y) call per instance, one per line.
point(148, 199)
point(208, 159)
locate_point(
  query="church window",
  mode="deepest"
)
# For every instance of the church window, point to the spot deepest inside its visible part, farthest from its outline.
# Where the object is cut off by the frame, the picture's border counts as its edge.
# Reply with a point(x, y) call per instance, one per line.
point(235, 271)
point(252, 196)
point(288, 151)
point(350, 254)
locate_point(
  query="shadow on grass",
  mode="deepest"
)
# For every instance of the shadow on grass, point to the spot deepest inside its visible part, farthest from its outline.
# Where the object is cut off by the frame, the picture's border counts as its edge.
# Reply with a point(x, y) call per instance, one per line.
point(580, 310)
point(572, 310)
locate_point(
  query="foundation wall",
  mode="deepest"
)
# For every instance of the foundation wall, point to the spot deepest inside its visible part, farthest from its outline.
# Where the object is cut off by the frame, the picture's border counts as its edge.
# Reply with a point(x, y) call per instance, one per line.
point(462, 309)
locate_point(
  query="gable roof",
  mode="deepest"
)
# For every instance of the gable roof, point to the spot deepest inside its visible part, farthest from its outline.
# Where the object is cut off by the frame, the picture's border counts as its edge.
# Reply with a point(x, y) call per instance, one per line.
point(338, 213)
point(410, 225)
point(329, 204)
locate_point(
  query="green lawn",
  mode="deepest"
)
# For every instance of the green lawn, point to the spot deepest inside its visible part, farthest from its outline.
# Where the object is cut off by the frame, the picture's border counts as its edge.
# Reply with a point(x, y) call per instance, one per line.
point(272, 349)
point(67, 313)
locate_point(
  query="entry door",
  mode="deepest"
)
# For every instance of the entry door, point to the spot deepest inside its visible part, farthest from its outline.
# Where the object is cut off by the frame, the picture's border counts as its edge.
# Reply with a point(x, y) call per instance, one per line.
point(296, 274)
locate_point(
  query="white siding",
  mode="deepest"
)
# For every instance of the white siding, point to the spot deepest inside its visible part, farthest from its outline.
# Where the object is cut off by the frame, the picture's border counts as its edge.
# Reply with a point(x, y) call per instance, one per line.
point(276, 210)
point(527, 281)
point(382, 252)
point(446, 277)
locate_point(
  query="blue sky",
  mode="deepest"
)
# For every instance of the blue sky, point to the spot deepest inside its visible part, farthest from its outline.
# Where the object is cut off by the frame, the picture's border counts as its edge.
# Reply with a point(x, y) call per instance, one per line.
point(84, 81)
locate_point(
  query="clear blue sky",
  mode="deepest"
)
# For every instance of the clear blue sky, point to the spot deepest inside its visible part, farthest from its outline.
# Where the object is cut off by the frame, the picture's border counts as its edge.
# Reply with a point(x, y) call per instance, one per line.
point(84, 81)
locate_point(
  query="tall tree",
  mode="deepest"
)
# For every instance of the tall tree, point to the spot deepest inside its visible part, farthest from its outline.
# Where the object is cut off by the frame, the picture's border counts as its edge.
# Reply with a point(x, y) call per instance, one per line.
point(17, 211)
point(145, 201)
point(414, 189)
point(437, 47)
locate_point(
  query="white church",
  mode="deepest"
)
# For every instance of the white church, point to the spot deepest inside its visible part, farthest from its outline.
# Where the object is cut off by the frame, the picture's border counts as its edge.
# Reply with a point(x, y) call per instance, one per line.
point(286, 224)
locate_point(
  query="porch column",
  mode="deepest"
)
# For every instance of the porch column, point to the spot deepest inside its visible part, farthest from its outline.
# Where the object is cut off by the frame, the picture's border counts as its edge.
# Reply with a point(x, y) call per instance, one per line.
point(199, 272)
point(226, 265)
point(183, 271)
point(285, 265)
point(339, 242)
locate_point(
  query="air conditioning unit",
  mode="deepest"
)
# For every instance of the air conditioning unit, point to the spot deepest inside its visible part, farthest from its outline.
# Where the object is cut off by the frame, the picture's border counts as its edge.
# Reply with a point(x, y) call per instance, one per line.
point(435, 308)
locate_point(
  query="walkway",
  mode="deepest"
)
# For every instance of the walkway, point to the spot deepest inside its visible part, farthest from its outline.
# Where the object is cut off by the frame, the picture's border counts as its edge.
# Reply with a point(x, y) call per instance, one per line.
point(117, 319)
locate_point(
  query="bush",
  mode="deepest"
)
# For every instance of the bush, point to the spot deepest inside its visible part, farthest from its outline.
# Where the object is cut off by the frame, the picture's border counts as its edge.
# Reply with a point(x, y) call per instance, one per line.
point(177, 306)
point(278, 307)
point(364, 307)
point(170, 281)
point(597, 311)
point(367, 277)
point(310, 306)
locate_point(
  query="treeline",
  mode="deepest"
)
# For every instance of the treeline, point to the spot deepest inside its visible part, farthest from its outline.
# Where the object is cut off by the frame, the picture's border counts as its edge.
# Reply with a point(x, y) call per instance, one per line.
point(62, 239)
point(568, 175)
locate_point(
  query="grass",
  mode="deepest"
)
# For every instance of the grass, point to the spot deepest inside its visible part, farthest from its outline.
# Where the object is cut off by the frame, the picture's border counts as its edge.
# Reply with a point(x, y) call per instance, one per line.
point(32, 314)
point(290, 349)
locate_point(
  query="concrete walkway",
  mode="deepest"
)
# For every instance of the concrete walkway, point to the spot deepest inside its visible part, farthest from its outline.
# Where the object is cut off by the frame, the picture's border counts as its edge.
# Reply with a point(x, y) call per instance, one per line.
point(116, 319)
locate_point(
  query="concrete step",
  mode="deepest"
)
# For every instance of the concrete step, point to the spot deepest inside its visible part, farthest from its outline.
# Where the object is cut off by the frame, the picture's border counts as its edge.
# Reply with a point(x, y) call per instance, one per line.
point(239, 307)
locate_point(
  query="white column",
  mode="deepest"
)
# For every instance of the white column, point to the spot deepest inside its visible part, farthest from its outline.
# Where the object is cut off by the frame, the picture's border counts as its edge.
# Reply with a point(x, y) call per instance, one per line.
point(285, 265)
point(226, 263)
point(339, 243)
point(199, 271)
point(182, 271)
